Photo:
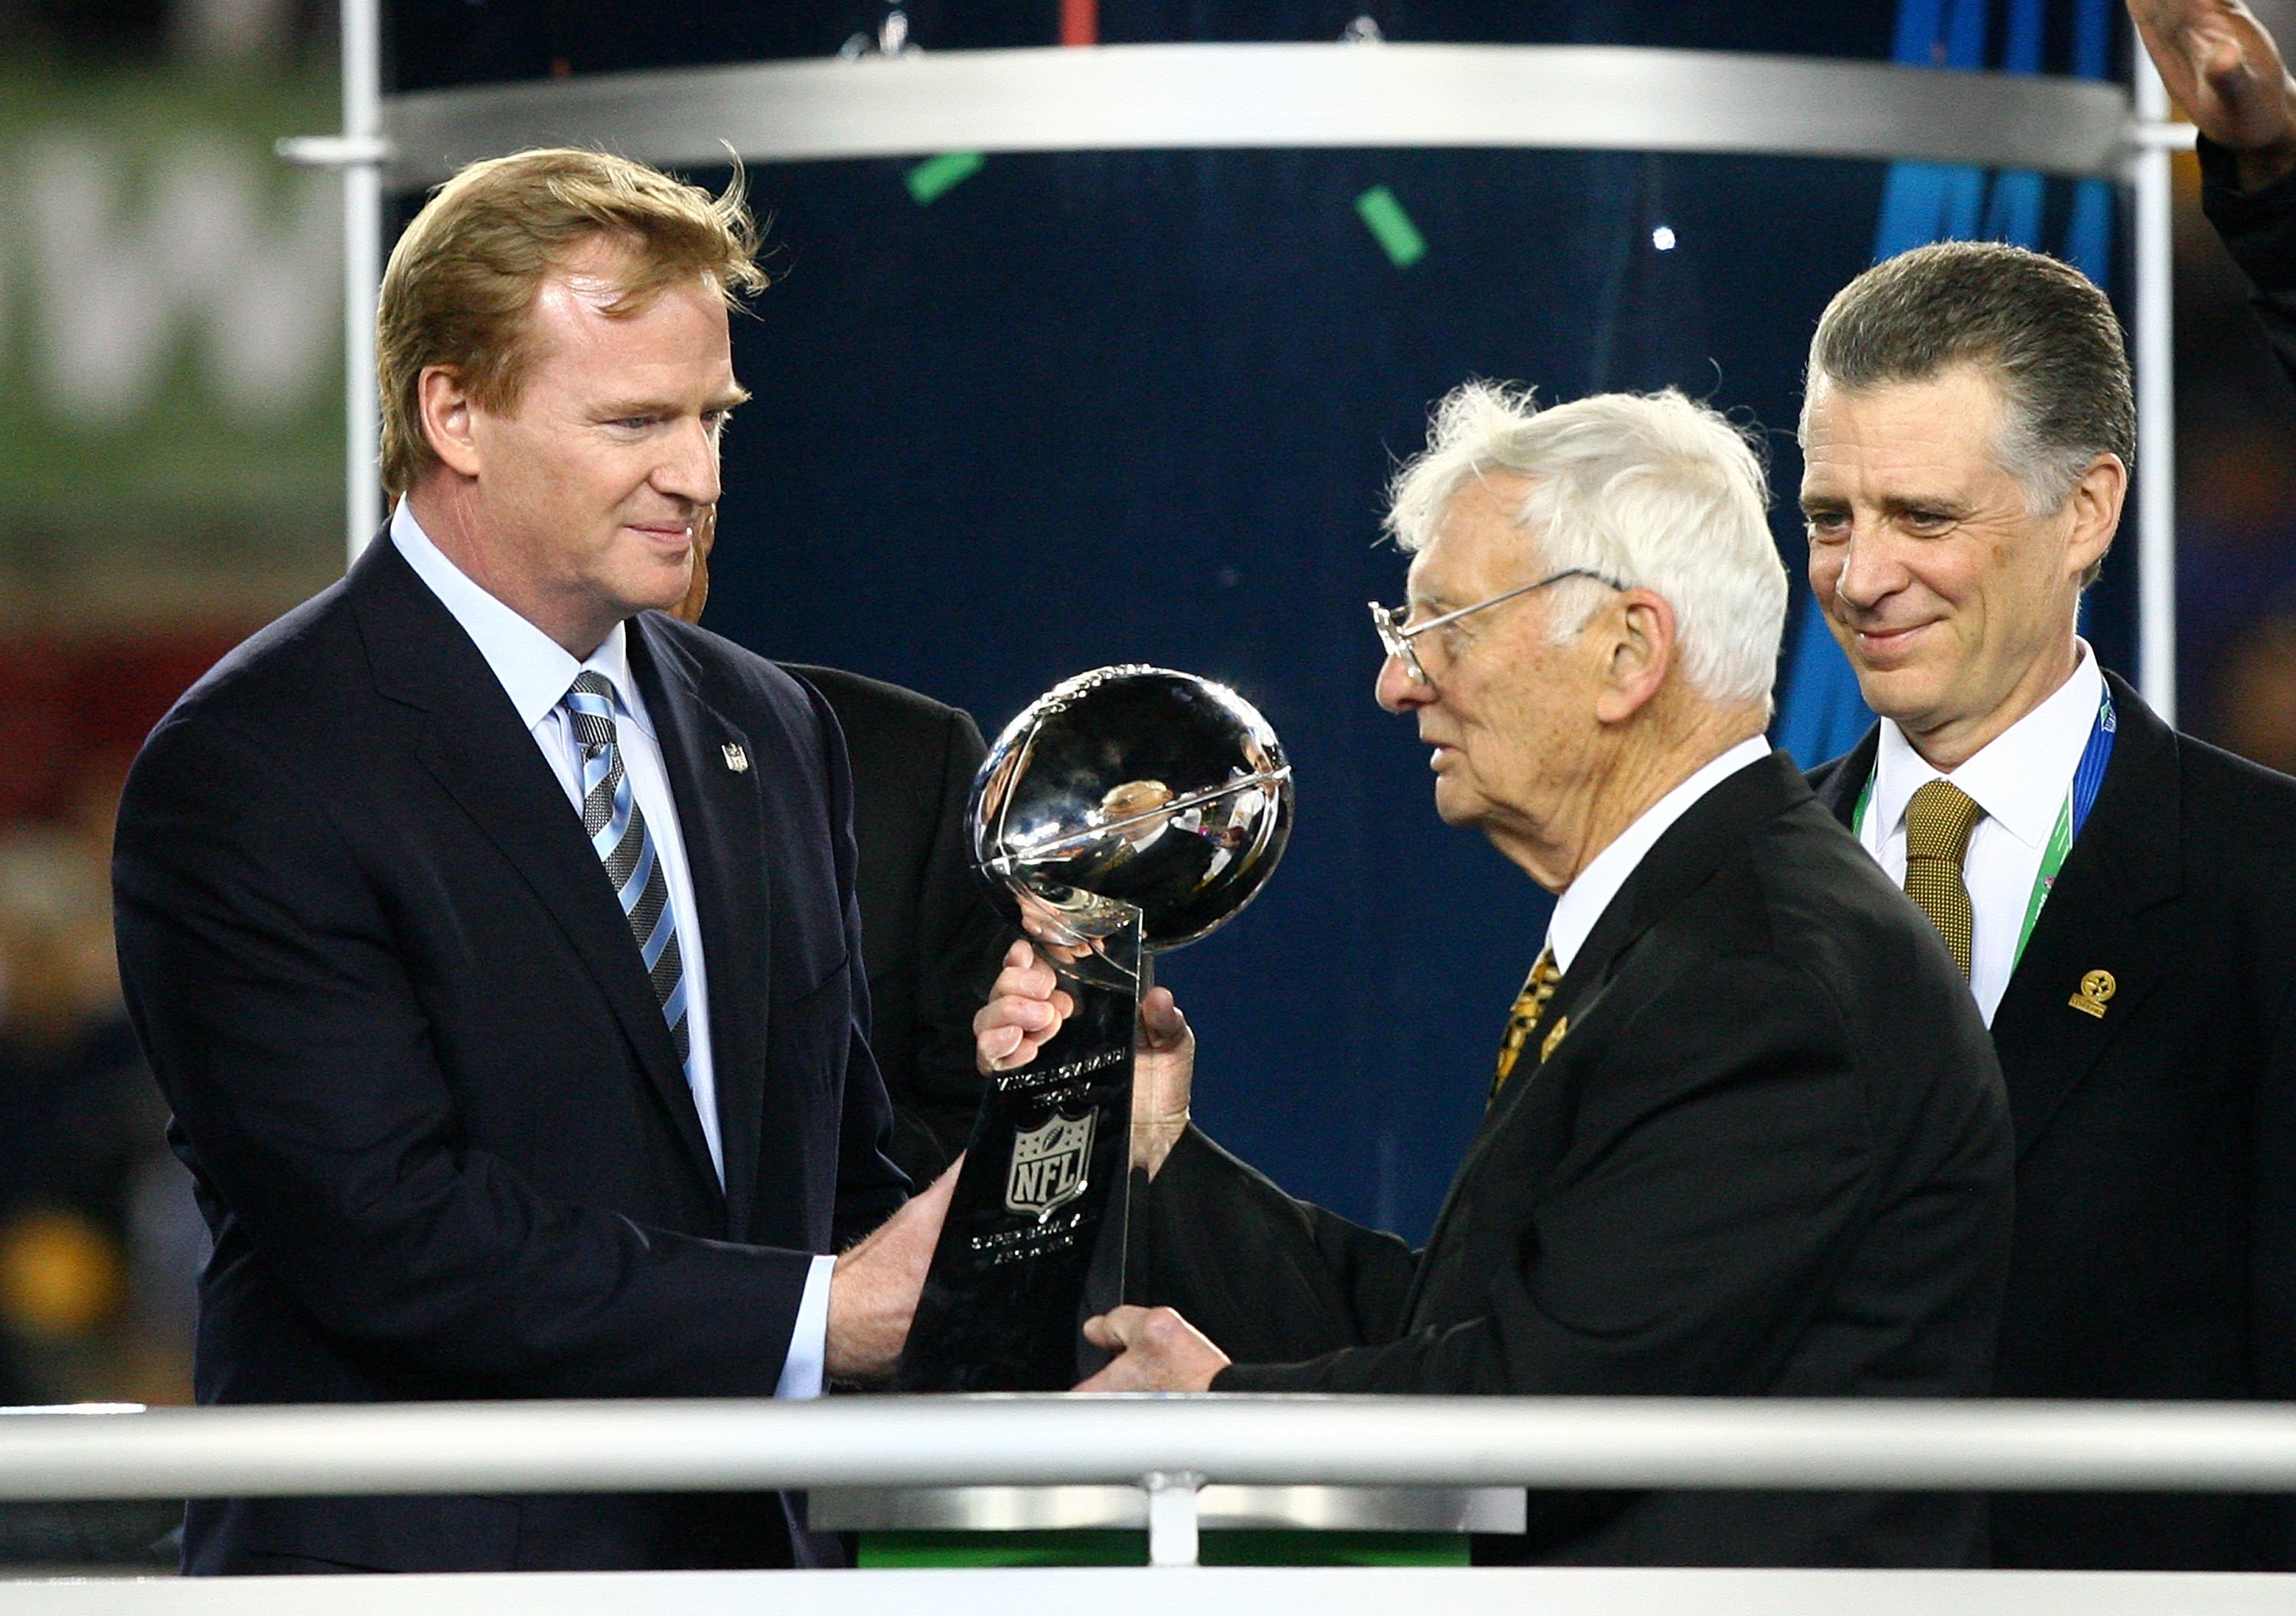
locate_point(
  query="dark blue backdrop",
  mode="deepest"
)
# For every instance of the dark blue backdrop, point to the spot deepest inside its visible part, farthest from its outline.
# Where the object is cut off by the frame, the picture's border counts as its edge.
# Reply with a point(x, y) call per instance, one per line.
point(1082, 409)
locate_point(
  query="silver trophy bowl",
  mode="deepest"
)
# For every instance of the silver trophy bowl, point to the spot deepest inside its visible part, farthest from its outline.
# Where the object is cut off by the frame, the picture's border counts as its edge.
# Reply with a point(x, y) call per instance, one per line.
point(1131, 789)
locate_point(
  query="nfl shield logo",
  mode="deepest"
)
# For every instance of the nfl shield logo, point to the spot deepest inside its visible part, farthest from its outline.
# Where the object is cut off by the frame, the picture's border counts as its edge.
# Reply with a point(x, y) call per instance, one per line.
point(1049, 1165)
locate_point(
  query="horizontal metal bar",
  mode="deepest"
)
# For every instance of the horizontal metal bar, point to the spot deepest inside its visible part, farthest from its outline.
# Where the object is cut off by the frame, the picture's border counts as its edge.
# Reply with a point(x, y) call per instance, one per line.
point(1049, 1441)
point(2162, 136)
point(1352, 1590)
point(1195, 96)
point(332, 151)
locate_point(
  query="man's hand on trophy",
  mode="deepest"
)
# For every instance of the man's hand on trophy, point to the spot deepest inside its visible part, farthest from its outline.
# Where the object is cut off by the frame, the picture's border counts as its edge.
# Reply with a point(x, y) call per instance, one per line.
point(1156, 1350)
point(1049, 932)
point(873, 1290)
point(2222, 67)
point(1163, 1078)
point(1026, 1007)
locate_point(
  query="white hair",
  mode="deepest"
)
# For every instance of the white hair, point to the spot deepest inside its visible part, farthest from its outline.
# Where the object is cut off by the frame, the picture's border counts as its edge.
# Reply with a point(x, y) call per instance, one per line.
point(1652, 490)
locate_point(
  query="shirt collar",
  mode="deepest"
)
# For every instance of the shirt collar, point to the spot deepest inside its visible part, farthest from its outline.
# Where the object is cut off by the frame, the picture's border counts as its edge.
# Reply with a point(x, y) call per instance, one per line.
point(535, 671)
point(2020, 777)
point(1583, 901)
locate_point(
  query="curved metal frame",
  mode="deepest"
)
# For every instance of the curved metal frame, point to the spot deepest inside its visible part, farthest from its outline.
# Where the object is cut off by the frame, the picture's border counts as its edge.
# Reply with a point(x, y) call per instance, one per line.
point(1582, 97)
point(1200, 97)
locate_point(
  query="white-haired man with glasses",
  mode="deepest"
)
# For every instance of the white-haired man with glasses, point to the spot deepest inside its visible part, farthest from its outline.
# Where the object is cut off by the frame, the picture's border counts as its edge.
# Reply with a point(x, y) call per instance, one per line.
point(1745, 1134)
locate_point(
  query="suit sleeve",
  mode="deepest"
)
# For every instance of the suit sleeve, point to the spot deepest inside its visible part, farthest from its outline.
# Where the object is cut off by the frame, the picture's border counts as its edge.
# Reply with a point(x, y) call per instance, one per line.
point(262, 974)
point(1637, 1264)
point(2260, 229)
point(1266, 1277)
point(869, 1187)
point(960, 942)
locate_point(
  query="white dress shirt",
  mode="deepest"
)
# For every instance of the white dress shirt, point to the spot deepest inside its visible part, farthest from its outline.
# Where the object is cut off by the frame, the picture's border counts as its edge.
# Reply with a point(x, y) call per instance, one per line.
point(1583, 901)
point(537, 672)
point(2019, 779)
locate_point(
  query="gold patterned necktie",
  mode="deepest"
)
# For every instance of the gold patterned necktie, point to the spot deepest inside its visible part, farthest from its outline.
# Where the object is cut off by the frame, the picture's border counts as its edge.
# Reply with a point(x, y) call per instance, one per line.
point(1529, 1004)
point(1938, 823)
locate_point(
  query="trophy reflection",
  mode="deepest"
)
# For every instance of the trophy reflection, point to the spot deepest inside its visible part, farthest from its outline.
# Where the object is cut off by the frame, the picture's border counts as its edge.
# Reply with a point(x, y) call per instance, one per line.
point(1126, 812)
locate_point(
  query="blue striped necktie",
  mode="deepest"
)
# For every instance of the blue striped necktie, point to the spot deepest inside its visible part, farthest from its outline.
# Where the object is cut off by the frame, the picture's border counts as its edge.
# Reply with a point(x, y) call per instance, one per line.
point(617, 830)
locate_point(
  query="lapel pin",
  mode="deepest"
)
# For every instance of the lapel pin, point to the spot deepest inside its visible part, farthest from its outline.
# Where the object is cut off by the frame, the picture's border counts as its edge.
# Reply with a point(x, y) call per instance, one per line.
point(2096, 991)
point(738, 761)
point(1546, 1046)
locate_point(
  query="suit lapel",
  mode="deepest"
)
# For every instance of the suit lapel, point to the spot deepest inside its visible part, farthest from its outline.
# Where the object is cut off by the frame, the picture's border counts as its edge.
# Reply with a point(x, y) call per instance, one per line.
point(2124, 863)
point(473, 745)
point(1534, 1115)
point(1838, 783)
point(720, 815)
point(1715, 828)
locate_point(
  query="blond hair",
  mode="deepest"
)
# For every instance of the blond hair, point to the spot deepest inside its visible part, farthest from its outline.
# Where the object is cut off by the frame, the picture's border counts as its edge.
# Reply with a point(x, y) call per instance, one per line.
point(462, 278)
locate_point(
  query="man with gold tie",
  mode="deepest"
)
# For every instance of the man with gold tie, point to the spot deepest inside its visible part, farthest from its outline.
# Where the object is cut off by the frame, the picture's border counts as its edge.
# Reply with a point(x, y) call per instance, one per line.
point(2121, 898)
point(1744, 1137)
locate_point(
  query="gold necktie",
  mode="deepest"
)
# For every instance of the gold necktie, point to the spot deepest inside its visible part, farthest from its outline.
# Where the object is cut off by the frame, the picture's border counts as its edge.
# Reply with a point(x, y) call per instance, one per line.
point(1537, 988)
point(1938, 823)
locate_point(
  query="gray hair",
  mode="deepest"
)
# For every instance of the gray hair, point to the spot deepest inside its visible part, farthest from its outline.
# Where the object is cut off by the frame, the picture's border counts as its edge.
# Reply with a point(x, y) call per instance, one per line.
point(2040, 329)
point(1652, 490)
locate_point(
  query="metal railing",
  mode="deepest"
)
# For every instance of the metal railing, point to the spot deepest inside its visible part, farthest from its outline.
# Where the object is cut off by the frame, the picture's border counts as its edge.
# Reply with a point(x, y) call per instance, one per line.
point(1169, 1445)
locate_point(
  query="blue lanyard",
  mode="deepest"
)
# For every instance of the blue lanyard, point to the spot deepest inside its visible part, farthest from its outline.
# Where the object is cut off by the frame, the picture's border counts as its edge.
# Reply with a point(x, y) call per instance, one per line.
point(2089, 777)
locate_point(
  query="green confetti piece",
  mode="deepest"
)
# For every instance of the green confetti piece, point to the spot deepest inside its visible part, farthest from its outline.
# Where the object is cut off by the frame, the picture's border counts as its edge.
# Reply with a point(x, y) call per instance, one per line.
point(1384, 218)
point(936, 177)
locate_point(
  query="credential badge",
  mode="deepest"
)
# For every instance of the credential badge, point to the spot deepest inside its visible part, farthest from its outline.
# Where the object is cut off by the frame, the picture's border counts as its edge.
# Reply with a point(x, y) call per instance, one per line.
point(1048, 1164)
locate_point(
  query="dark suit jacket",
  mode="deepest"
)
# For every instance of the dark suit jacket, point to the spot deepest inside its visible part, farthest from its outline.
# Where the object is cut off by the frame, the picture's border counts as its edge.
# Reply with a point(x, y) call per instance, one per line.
point(2156, 1146)
point(932, 938)
point(2259, 228)
point(437, 1124)
point(1769, 1156)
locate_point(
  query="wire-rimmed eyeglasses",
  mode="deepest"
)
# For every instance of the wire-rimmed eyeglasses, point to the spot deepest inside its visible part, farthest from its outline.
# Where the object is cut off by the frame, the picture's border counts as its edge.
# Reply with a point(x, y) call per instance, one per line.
point(1392, 634)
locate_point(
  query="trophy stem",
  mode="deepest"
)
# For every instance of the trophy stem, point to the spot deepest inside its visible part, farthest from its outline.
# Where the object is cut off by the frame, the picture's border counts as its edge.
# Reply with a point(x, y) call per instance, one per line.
point(1132, 1276)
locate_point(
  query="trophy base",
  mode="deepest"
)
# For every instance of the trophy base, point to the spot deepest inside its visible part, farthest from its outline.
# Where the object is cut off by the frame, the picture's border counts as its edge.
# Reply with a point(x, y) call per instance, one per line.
point(1034, 1241)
